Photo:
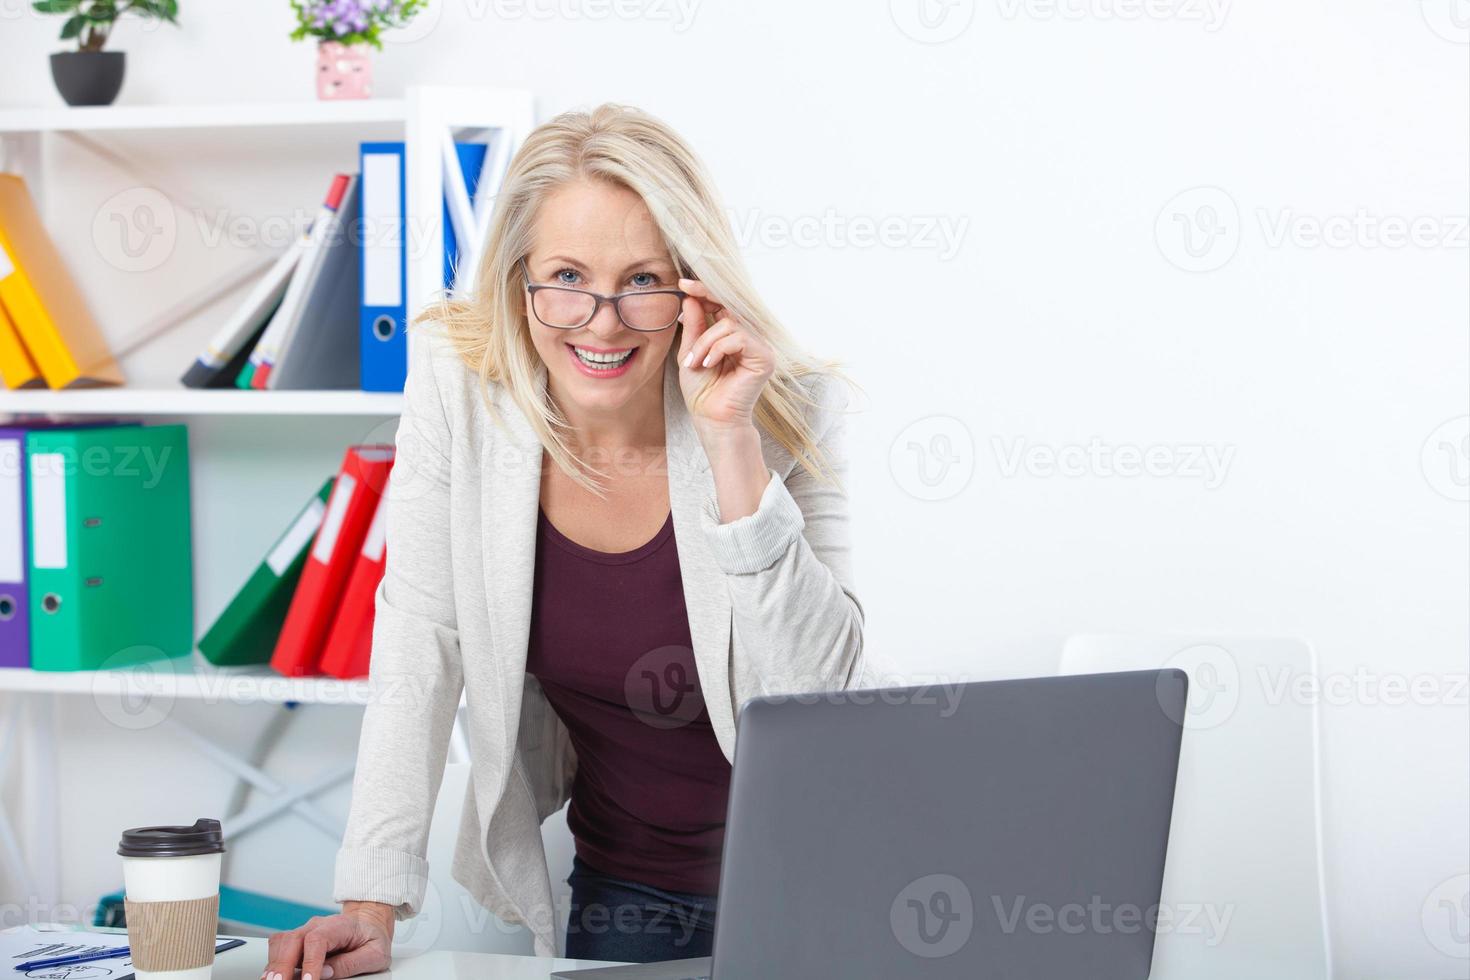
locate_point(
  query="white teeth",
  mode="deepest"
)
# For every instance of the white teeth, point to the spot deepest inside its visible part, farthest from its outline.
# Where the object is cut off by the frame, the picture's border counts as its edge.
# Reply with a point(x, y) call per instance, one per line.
point(603, 362)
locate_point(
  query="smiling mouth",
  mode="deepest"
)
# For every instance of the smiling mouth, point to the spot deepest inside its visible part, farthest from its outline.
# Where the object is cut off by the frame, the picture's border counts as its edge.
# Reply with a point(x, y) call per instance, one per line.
point(602, 360)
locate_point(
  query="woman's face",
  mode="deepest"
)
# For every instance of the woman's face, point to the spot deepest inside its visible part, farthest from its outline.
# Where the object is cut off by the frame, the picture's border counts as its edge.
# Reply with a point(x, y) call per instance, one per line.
point(600, 237)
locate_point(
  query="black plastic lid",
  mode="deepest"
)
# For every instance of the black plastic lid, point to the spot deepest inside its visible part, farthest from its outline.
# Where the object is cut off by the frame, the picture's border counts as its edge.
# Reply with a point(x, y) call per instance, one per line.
point(204, 837)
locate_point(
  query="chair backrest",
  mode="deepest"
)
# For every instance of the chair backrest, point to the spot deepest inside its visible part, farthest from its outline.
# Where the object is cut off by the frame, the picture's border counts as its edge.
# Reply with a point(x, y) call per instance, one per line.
point(1243, 887)
point(451, 918)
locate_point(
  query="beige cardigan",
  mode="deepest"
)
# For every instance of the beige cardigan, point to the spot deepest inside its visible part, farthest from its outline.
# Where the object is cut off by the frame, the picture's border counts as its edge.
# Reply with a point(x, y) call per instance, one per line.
point(770, 603)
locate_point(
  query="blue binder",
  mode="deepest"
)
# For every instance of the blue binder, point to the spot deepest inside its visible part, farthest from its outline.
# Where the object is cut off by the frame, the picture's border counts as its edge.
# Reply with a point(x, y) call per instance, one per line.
point(383, 319)
point(383, 351)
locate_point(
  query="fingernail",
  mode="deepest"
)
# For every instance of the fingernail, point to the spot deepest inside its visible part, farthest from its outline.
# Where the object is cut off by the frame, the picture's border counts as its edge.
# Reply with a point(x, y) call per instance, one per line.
point(306, 976)
point(705, 362)
point(327, 972)
point(689, 358)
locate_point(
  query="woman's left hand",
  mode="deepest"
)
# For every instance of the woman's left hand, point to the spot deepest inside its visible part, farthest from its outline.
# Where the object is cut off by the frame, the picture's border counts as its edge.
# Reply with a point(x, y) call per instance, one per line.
point(723, 367)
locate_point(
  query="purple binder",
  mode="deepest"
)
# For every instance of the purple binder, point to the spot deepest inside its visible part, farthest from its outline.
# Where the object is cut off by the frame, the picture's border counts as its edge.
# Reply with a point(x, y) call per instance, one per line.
point(15, 617)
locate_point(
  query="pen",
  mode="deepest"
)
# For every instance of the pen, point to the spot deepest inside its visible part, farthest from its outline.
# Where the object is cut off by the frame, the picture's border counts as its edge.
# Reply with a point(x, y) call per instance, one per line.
point(101, 954)
point(104, 954)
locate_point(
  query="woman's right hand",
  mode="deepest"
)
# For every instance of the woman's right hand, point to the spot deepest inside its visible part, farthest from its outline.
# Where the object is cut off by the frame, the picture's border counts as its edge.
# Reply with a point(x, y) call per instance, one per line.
point(357, 941)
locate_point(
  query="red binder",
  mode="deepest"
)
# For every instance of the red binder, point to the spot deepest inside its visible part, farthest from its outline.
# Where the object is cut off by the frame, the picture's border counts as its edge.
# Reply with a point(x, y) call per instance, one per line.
point(350, 641)
point(334, 551)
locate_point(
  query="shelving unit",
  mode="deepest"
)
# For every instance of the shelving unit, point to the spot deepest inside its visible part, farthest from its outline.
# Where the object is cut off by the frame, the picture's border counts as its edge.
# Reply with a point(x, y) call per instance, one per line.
point(189, 679)
point(189, 401)
point(55, 119)
point(248, 470)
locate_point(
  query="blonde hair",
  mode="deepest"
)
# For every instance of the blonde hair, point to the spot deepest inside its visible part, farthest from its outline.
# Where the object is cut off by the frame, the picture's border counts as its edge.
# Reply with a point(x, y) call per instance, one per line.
point(489, 329)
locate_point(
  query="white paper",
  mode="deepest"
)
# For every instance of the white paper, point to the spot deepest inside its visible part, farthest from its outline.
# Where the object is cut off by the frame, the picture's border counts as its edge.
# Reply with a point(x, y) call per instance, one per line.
point(382, 214)
point(377, 532)
point(28, 943)
point(12, 523)
point(48, 510)
point(297, 537)
point(24, 943)
point(326, 538)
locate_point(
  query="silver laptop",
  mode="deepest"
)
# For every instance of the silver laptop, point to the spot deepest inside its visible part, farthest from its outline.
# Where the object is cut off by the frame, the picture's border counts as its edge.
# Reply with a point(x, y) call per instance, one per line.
point(1009, 829)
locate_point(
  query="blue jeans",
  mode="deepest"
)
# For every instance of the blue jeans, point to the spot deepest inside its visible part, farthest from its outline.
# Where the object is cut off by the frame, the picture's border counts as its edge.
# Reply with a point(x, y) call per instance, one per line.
point(615, 919)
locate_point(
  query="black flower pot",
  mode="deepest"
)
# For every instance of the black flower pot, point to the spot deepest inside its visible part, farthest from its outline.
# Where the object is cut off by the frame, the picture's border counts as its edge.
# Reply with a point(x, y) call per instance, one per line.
point(88, 77)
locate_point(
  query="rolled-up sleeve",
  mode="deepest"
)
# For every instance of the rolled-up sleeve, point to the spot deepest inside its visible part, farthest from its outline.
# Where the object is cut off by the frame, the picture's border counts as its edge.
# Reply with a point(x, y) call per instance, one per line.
point(414, 672)
point(797, 624)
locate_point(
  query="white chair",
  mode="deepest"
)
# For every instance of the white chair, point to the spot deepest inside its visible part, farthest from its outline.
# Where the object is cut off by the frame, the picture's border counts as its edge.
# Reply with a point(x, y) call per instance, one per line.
point(1243, 883)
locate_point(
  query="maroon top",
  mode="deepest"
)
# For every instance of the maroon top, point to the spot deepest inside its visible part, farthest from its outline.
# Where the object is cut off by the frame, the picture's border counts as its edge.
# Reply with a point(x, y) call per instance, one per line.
point(610, 645)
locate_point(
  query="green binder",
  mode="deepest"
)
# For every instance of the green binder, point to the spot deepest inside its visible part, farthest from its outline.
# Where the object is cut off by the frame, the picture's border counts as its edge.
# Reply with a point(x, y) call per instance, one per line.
point(245, 633)
point(242, 380)
point(111, 576)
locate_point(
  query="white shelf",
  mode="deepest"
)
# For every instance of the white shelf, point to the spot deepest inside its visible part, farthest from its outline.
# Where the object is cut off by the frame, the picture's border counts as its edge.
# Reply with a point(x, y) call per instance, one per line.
point(426, 119)
point(189, 679)
point(58, 119)
point(194, 401)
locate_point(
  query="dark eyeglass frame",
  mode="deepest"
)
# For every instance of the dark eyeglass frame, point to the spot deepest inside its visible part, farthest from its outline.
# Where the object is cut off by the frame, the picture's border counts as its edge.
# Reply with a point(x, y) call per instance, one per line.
point(616, 299)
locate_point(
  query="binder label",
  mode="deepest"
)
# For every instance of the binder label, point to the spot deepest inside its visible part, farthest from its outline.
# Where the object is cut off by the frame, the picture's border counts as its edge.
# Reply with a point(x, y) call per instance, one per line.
point(377, 532)
point(297, 537)
point(382, 248)
point(12, 520)
point(48, 510)
point(326, 539)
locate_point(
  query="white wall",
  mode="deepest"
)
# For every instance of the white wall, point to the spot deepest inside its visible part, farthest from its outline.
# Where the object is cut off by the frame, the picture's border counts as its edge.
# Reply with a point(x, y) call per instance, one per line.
point(1052, 139)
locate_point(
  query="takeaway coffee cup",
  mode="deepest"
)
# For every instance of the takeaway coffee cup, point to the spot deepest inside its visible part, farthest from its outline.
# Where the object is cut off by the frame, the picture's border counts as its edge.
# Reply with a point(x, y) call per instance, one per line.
point(171, 881)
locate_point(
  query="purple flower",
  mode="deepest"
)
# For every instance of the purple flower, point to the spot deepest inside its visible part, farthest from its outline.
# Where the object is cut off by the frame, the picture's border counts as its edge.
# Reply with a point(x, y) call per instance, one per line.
point(329, 18)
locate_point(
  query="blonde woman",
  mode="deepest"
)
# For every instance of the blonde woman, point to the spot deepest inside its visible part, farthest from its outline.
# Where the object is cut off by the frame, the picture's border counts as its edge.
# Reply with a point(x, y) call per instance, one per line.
point(615, 515)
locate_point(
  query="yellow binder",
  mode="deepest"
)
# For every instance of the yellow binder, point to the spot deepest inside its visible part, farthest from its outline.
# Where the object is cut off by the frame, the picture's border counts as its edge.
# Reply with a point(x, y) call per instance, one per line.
point(17, 369)
point(43, 301)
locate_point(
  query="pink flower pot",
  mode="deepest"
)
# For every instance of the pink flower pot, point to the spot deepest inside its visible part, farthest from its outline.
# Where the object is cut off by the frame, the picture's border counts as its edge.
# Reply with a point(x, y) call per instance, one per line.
point(343, 71)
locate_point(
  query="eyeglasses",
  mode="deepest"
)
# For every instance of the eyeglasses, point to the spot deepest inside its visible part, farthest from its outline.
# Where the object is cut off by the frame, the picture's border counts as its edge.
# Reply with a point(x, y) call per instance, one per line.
point(565, 308)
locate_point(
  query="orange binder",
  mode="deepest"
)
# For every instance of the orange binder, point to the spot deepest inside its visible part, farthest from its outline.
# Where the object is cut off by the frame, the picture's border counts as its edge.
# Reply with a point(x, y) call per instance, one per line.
point(17, 369)
point(43, 301)
point(333, 554)
point(350, 641)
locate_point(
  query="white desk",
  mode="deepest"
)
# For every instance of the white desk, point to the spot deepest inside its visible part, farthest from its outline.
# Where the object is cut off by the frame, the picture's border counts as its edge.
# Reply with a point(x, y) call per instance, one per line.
point(246, 963)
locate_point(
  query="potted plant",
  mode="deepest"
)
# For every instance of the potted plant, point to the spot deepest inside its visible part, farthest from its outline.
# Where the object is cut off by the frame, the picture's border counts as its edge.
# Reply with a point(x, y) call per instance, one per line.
point(89, 75)
point(344, 29)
